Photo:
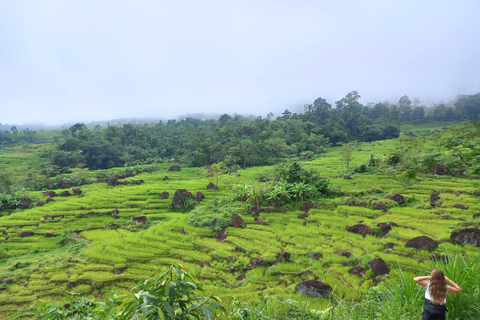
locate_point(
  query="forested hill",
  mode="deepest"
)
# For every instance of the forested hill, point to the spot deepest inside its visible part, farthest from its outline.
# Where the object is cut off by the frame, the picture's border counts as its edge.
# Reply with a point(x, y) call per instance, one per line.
point(237, 140)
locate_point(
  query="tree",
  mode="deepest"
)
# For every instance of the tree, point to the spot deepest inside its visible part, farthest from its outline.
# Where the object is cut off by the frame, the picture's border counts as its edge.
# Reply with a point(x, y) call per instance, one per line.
point(349, 103)
point(405, 108)
point(286, 114)
point(346, 150)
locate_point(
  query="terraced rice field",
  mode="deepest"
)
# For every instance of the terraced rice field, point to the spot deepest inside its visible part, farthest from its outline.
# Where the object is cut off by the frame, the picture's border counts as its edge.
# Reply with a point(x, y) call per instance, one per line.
point(121, 252)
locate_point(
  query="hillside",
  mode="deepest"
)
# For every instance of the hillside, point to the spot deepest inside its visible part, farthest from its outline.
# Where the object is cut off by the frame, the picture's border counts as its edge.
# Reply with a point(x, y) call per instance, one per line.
point(90, 243)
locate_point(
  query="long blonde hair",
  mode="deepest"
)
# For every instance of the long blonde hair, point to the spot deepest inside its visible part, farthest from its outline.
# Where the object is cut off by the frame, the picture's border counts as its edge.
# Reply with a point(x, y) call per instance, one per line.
point(438, 286)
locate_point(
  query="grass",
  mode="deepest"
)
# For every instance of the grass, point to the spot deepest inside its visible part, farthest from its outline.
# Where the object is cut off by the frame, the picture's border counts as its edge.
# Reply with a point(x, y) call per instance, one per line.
point(168, 239)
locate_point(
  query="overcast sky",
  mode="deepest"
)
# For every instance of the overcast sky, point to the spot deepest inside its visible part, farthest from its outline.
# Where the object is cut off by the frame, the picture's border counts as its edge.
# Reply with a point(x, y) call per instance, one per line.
point(69, 61)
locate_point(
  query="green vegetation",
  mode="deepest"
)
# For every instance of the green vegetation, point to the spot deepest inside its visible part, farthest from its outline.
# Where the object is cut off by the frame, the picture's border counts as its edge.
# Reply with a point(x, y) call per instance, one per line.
point(113, 234)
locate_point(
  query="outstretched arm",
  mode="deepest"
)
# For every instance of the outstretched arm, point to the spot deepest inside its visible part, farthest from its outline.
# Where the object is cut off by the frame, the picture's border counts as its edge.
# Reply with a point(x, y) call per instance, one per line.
point(454, 287)
point(421, 280)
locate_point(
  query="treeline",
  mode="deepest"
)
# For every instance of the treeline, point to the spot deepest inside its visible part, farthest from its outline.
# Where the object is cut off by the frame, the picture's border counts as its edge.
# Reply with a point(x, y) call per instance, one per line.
point(237, 140)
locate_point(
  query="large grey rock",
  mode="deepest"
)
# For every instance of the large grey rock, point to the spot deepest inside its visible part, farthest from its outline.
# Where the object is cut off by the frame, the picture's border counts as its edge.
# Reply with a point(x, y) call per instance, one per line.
point(313, 288)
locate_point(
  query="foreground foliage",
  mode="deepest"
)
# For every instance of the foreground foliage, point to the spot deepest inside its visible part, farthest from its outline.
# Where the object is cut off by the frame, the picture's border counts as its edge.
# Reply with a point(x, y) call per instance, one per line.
point(168, 296)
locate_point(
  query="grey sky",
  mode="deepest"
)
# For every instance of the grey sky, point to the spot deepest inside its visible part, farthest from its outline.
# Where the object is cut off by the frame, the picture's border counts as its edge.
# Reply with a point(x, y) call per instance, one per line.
point(65, 60)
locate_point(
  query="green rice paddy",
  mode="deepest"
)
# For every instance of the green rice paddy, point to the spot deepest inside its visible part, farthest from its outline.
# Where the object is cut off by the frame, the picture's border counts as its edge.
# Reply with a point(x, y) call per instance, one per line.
point(112, 255)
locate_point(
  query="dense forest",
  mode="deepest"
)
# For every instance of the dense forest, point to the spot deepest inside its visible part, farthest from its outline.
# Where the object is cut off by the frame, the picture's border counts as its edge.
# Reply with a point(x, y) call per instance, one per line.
point(238, 140)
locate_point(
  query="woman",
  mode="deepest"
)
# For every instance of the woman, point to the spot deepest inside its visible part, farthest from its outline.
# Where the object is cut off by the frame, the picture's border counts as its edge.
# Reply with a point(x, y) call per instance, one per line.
point(436, 294)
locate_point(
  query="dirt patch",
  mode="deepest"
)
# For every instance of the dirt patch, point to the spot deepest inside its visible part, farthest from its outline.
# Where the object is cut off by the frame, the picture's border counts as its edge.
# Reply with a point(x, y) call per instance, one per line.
point(241, 277)
point(315, 255)
point(165, 178)
point(112, 181)
point(360, 228)
point(439, 169)
point(476, 215)
point(25, 234)
point(313, 288)
point(348, 178)
point(40, 203)
point(307, 206)
point(460, 206)
point(422, 243)
point(346, 254)
point(303, 215)
point(49, 235)
point(77, 191)
point(174, 168)
point(72, 284)
point(378, 266)
point(466, 236)
point(477, 193)
point(255, 210)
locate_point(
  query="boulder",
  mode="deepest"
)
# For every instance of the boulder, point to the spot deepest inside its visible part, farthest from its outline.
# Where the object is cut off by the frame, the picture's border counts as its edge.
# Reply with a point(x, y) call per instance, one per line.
point(378, 266)
point(260, 222)
point(118, 270)
point(200, 196)
point(115, 213)
point(469, 236)
point(211, 186)
point(307, 206)
point(65, 193)
point(346, 254)
point(384, 227)
point(422, 243)
point(255, 262)
point(283, 256)
point(141, 219)
point(360, 228)
point(72, 284)
point(66, 184)
point(40, 203)
point(434, 197)
point(241, 277)
point(380, 206)
point(303, 215)
point(165, 178)
point(255, 210)
point(49, 235)
point(174, 168)
point(460, 206)
point(389, 245)
point(81, 208)
point(477, 193)
point(222, 235)
point(398, 198)
point(23, 204)
point(313, 288)
point(77, 191)
point(49, 193)
point(476, 215)
point(164, 195)
point(348, 178)
point(179, 197)
point(112, 181)
point(359, 271)
point(237, 221)
point(25, 234)
point(439, 169)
